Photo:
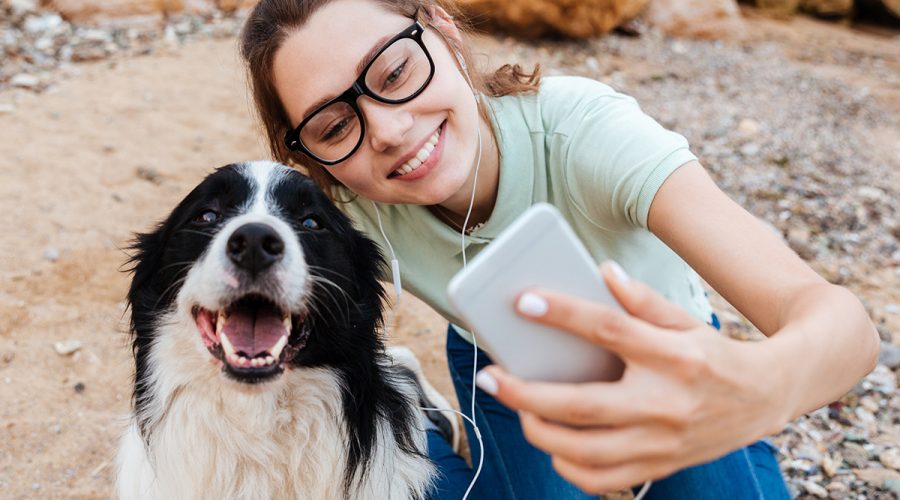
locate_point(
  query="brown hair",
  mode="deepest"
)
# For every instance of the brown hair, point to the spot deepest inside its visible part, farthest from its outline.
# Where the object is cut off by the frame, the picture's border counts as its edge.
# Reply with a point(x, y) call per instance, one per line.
point(272, 21)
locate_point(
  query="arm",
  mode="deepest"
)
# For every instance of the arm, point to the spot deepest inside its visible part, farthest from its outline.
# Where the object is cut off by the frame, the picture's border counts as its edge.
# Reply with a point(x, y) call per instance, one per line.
point(690, 394)
point(808, 319)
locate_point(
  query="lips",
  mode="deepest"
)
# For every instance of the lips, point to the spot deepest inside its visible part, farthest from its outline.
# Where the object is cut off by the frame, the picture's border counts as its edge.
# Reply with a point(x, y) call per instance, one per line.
point(413, 161)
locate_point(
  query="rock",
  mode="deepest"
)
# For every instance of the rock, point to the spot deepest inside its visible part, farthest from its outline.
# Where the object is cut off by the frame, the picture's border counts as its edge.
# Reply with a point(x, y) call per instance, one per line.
point(20, 7)
point(828, 8)
point(814, 489)
point(104, 10)
point(25, 81)
point(40, 24)
point(750, 149)
point(889, 356)
point(697, 18)
point(779, 7)
point(893, 485)
point(830, 465)
point(890, 458)
point(6, 109)
point(149, 174)
point(837, 487)
point(877, 477)
point(533, 18)
point(79, 387)
point(855, 455)
point(51, 254)
point(748, 128)
point(67, 347)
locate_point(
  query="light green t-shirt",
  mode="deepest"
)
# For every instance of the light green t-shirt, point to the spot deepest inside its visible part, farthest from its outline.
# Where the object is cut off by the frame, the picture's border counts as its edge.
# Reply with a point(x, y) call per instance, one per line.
point(580, 146)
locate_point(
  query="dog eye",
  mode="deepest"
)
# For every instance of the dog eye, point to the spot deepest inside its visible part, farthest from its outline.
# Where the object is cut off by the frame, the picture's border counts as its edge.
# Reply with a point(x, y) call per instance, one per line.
point(311, 224)
point(207, 217)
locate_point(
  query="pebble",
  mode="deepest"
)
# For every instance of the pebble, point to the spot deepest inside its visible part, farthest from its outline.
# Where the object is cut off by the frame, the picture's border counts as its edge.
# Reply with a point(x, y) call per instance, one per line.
point(889, 356)
point(6, 109)
point(855, 455)
point(837, 487)
point(67, 347)
point(24, 81)
point(79, 387)
point(890, 458)
point(51, 254)
point(814, 489)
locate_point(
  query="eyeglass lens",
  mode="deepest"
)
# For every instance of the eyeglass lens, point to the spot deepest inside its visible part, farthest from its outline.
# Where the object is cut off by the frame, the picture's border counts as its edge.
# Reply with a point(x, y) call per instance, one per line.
point(400, 71)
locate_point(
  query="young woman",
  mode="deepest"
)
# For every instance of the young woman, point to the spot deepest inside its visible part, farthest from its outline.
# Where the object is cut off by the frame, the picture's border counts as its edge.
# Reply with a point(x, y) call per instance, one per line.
point(378, 102)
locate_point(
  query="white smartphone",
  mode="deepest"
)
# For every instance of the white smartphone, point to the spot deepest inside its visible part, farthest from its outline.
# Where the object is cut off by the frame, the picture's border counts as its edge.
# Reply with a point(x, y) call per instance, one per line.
point(538, 249)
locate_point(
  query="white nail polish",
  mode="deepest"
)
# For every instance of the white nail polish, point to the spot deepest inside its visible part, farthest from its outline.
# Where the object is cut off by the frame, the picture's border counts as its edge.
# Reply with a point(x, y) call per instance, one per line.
point(486, 382)
point(620, 273)
point(530, 304)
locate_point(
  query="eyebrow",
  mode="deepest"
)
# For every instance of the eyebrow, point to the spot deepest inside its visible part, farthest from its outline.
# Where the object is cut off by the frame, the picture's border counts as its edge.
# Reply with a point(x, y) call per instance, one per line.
point(365, 61)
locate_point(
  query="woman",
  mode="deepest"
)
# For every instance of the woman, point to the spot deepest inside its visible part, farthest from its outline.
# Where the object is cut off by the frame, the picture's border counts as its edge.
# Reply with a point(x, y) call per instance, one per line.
point(374, 99)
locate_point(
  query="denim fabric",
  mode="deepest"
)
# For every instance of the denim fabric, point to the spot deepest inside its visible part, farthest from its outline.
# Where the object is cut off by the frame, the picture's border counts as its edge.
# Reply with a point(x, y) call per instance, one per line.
point(513, 469)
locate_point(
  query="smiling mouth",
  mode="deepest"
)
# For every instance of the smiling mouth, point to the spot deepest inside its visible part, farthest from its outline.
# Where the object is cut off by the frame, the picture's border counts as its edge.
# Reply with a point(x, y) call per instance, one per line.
point(420, 157)
point(252, 337)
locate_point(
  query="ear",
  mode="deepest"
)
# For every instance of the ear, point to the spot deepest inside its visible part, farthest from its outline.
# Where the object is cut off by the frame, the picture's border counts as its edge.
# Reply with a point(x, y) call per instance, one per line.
point(443, 22)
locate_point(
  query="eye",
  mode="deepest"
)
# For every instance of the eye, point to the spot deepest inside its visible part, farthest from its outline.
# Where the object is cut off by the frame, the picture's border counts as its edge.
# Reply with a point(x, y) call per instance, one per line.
point(207, 217)
point(311, 224)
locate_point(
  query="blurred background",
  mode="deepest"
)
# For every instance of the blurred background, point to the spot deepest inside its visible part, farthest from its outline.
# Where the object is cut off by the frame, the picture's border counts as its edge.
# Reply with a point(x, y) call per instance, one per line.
point(110, 111)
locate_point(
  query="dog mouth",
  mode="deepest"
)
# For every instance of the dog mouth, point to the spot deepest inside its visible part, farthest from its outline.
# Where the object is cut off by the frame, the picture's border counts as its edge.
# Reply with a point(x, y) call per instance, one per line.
point(252, 337)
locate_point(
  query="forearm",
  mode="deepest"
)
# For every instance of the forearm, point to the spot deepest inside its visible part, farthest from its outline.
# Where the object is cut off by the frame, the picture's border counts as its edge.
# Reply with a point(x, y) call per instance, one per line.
point(825, 345)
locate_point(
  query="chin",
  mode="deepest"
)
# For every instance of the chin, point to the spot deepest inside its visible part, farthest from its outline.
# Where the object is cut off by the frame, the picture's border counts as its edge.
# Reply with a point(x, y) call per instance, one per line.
point(259, 370)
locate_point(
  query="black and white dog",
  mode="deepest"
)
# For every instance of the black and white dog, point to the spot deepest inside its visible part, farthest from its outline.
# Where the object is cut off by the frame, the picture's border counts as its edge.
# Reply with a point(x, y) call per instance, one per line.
point(259, 369)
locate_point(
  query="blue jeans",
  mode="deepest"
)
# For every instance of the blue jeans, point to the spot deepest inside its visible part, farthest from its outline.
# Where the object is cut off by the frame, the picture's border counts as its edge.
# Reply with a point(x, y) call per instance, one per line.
point(514, 469)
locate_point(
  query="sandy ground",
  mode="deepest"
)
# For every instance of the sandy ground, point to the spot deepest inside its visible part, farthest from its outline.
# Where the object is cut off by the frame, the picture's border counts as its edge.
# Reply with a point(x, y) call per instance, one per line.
point(70, 185)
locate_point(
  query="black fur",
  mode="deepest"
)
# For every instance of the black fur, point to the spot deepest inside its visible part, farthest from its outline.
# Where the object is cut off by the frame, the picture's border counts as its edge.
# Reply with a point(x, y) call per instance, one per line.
point(343, 326)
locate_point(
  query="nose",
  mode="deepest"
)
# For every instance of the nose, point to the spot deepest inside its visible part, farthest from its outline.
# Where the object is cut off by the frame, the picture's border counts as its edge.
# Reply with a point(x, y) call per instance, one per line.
point(386, 125)
point(254, 247)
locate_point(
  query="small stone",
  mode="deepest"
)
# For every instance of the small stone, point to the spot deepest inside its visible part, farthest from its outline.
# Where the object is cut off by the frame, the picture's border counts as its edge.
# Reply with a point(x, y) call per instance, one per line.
point(25, 81)
point(39, 24)
point(8, 357)
point(750, 149)
point(890, 458)
point(892, 485)
point(871, 194)
point(57, 428)
point(79, 387)
point(6, 109)
point(67, 347)
point(855, 455)
point(748, 128)
point(830, 464)
point(889, 356)
point(814, 489)
point(892, 308)
point(869, 404)
point(35, 486)
point(149, 174)
point(876, 476)
point(837, 487)
point(51, 254)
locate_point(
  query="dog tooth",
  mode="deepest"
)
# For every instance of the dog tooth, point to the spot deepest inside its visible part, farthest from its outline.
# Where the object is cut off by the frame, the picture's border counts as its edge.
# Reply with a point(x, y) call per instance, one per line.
point(220, 321)
point(287, 322)
point(270, 360)
point(226, 344)
point(276, 349)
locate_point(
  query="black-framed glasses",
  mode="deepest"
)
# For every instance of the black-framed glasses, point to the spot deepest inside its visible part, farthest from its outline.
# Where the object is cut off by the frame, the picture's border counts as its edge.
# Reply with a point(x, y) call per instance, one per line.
point(398, 73)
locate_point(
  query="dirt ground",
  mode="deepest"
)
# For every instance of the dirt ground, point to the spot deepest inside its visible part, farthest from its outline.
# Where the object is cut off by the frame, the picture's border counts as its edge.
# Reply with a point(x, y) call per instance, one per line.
point(109, 151)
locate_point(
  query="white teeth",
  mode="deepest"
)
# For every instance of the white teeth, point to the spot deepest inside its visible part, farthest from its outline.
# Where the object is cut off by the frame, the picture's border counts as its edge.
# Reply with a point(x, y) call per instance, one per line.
point(226, 344)
point(276, 349)
point(287, 323)
point(270, 360)
point(220, 321)
point(421, 155)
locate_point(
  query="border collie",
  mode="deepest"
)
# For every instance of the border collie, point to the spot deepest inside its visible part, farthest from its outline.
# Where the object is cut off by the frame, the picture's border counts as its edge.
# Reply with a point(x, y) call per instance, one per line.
point(259, 370)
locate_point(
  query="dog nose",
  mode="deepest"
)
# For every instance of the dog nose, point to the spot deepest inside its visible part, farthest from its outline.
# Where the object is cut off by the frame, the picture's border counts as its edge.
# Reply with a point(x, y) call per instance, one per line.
point(254, 247)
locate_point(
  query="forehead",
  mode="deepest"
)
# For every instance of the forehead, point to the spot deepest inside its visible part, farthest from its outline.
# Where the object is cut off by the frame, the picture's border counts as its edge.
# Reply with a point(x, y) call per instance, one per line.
point(319, 59)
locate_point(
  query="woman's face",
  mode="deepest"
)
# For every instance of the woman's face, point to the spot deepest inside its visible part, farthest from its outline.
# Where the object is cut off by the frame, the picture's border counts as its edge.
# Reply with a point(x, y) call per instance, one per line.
point(319, 61)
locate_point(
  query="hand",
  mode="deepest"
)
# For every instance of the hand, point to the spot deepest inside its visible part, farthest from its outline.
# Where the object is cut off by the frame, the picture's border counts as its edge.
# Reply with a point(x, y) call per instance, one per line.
point(688, 394)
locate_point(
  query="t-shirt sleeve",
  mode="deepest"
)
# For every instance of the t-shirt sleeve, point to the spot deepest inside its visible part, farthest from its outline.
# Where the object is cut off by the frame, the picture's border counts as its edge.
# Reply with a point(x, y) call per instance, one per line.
point(615, 156)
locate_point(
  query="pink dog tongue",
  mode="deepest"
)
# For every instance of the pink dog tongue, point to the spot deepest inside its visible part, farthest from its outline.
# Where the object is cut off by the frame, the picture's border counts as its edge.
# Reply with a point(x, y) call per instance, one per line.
point(254, 329)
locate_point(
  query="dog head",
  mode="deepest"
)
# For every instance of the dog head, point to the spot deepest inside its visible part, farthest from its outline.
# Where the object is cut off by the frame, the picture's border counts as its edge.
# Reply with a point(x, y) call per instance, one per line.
point(261, 273)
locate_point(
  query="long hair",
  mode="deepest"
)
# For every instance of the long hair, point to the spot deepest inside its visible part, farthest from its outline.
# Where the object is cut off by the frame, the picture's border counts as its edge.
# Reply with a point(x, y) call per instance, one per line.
point(272, 21)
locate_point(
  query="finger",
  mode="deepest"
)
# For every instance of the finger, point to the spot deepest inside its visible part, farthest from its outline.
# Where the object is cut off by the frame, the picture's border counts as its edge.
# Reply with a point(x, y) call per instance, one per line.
point(644, 302)
point(598, 480)
point(616, 330)
point(595, 446)
point(594, 404)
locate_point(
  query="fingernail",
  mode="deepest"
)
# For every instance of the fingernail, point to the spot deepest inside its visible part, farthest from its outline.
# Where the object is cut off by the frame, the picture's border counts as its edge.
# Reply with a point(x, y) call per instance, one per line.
point(620, 273)
point(486, 382)
point(530, 304)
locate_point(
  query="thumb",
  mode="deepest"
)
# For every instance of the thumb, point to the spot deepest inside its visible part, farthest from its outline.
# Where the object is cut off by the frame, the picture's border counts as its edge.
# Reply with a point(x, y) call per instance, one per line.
point(643, 302)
